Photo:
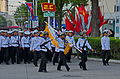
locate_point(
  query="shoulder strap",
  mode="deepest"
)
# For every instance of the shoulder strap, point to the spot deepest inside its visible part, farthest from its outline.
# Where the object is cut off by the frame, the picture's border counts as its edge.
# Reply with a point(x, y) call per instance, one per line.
point(84, 44)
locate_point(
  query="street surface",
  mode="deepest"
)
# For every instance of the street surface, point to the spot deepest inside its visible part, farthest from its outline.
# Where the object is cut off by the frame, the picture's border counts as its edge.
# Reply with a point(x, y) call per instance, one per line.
point(95, 71)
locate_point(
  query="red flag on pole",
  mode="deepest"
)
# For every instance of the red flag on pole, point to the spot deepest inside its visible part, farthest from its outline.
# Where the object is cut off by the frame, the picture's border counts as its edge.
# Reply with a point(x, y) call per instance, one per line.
point(30, 8)
point(69, 25)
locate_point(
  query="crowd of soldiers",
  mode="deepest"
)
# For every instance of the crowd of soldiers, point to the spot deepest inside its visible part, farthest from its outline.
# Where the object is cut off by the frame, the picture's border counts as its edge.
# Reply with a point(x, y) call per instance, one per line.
point(28, 47)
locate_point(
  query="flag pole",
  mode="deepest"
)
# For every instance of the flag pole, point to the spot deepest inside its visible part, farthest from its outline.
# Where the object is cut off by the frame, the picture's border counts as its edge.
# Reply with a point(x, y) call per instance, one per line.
point(48, 16)
point(54, 17)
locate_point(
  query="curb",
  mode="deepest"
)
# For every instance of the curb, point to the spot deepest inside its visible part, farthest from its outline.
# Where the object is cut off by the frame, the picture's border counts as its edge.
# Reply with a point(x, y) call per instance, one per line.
point(100, 60)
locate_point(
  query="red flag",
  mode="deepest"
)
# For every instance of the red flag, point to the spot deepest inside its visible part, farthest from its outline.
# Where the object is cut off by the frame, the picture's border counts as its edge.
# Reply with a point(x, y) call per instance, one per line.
point(79, 23)
point(30, 8)
point(73, 19)
point(105, 22)
point(83, 12)
point(69, 25)
point(89, 30)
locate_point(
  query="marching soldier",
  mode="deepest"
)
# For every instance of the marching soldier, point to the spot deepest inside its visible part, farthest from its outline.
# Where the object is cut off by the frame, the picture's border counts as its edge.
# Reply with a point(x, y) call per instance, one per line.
point(62, 61)
point(35, 47)
point(15, 47)
point(83, 44)
point(4, 48)
point(25, 41)
point(105, 42)
point(48, 46)
point(70, 39)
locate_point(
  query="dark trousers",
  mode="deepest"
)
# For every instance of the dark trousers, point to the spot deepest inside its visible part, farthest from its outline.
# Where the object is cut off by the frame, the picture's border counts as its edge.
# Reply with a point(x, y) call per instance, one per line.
point(62, 61)
point(106, 56)
point(36, 57)
point(68, 56)
point(55, 57)
point(26, 55)
point(21, 54)
point(15, 55)
point(83, 60)
point(1, 56)
point(43, 61)
point(5, 55)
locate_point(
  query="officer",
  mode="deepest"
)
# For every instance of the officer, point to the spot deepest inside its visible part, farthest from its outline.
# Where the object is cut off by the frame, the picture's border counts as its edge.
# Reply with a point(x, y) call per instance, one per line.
point(70, 39)
point(105, 42)
point(4, 48)
point(83, 44)
point(48, 46)
point(15, 47)
point(62, 61)
point(25, 41)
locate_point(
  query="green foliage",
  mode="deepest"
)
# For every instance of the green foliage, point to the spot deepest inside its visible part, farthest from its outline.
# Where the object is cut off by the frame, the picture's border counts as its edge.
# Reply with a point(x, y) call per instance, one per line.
point(95, 42)
point(3, 21)
point(21, 14)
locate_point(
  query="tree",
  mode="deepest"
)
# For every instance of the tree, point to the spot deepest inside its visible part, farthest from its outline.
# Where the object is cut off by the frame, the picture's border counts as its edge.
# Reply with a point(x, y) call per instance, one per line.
point(95, 20)
point(9, 23)
point(3, 21)
point(21, 15)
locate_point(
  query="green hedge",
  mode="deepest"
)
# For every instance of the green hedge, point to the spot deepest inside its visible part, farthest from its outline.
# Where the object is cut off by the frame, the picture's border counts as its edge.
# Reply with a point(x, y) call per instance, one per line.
point(95, 42)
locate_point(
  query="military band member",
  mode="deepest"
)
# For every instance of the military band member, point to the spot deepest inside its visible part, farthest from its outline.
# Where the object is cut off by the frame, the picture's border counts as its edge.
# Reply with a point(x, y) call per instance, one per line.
point(70, 39)
point(62, 61)
point(105, 42)
point(25, 42)
point(83, 44)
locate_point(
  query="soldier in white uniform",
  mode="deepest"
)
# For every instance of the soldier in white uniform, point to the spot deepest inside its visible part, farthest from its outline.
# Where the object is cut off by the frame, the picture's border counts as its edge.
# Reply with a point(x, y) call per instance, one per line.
point(70, 39)
point(25, 42)
point(15, 47)
point(48, 46)
point(4, 41)
point(83, 44)
point(62, 61)
point(105, 42)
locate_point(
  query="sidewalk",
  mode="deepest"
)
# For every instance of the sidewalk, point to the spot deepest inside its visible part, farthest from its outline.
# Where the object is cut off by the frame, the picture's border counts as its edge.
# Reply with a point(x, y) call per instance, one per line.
point(100, 60)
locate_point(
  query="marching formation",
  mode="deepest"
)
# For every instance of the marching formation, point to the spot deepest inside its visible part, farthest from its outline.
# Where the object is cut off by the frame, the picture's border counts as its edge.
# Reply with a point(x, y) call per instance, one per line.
point(28, 47)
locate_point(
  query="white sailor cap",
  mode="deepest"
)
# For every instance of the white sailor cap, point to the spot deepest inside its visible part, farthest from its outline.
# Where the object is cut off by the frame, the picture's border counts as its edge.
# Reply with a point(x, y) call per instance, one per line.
point(15, 30)
point(27, 32)
point(9, 32)
point(5, 31)
point(35, 31)
point(70, 31)
point(1, 31)
point(21, 31)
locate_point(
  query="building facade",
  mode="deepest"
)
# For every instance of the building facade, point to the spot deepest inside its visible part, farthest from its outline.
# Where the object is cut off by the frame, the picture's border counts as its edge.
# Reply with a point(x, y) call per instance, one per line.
point(3, 5)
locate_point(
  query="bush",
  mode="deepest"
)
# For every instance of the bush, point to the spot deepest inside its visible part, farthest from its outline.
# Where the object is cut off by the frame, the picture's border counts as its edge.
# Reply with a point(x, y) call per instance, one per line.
point(95, 42)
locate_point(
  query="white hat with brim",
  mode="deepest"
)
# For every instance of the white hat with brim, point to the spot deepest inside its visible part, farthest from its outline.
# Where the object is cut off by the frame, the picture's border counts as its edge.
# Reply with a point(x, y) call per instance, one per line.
point(35, 31)
point(10, 32)
point(15, 30)
point(27, 32)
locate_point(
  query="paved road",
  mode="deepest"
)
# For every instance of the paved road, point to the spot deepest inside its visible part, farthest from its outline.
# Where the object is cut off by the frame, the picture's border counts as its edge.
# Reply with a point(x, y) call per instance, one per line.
point(95, 71)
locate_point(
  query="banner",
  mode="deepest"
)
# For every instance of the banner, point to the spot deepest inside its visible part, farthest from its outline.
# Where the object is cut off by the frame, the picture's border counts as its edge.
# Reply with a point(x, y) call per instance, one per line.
point(52, 35)
point(48, 7)
point(30, 8)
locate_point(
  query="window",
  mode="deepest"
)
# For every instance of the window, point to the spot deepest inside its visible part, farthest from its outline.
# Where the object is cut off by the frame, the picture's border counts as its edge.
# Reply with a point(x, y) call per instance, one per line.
point(117, 29)
point(117, 1)
point(117, 19)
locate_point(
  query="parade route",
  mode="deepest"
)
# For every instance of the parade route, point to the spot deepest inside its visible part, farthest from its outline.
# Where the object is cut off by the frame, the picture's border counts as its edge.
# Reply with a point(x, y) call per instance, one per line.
point(95, 71)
